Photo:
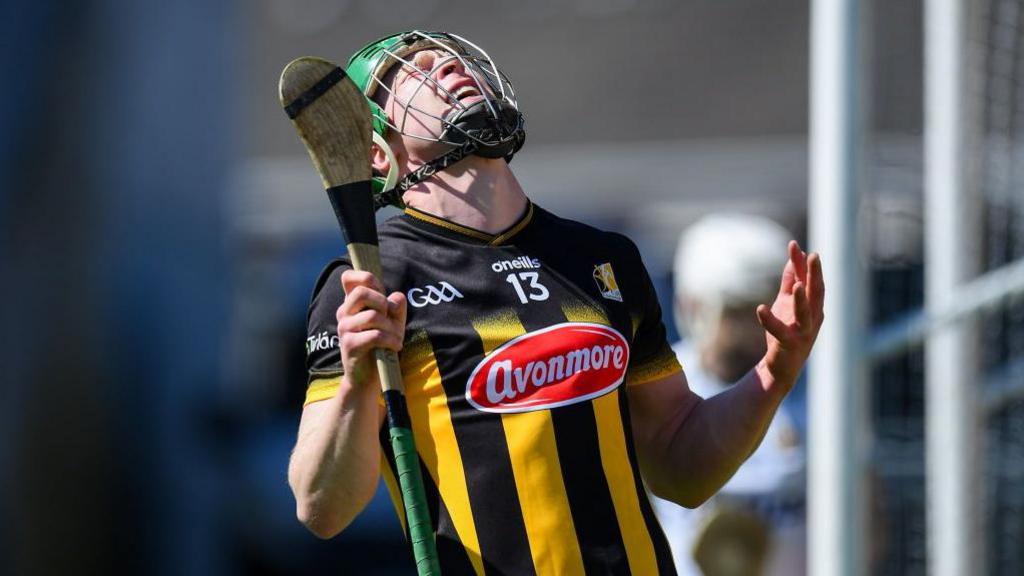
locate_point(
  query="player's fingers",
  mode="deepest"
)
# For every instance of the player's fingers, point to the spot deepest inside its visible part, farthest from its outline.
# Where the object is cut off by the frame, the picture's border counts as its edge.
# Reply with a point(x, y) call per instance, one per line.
point(769, 322)
point(364, 320)
point(791, 272)
point(799, 259)
point(788, 278)
point(363, 298)
point(350, 279)
point(800, 308)
point(815, 285)
point(361, 343)
point(364, 343)
point(397, 308)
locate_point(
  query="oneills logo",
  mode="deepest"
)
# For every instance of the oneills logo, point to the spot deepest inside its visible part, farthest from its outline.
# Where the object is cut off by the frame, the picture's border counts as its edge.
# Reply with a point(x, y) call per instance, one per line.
point(520, 263)
point(557, 366)
point(606, 283)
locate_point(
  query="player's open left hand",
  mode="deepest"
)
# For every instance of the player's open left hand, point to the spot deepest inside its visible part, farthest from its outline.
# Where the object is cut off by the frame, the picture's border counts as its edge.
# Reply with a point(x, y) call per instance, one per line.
point(367, 320)
point(792, 323)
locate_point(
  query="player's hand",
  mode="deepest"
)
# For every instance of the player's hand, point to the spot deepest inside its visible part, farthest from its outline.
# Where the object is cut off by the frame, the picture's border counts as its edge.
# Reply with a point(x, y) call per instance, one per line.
point(367, 320)
point(792, 323)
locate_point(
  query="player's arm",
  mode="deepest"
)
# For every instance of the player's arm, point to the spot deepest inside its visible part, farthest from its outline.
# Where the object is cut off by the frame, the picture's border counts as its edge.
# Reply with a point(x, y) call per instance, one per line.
point(334, 469)
point(689, 447)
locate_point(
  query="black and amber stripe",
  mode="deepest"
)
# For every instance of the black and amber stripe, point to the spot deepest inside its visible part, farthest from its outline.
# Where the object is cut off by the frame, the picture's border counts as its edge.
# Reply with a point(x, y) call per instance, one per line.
point(582, 506)
point(533, 451)
point(488, 464)
point(662, 552)
point(643, 541)
point(441, 454)
point(587, 494)
point(468, 462)
point(558, 491)
point(451, 553)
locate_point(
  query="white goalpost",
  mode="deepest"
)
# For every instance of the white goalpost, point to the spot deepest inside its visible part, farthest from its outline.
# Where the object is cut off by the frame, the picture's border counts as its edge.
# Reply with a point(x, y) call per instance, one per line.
point(836, 394)
point(952, 423)
point(959, 397)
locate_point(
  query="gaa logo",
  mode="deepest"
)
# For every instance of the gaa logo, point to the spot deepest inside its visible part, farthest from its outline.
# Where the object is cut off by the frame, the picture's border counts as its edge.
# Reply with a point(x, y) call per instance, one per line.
point(557, 366)
point(430, 296)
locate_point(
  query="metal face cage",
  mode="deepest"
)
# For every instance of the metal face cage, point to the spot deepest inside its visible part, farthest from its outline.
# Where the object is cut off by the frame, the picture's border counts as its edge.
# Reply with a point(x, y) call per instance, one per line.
point(499, 106)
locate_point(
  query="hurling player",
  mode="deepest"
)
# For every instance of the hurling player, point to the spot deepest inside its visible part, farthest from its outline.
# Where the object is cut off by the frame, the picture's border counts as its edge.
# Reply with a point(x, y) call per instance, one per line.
point(539, 380)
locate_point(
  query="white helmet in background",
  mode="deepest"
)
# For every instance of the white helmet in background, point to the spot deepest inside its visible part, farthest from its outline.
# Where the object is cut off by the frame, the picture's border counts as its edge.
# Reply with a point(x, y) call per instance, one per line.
point(727, 259)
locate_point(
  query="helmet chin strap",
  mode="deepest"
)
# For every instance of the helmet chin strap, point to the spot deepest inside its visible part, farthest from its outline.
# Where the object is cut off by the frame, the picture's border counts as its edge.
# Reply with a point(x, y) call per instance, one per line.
point(472, 131)
point(392, 196)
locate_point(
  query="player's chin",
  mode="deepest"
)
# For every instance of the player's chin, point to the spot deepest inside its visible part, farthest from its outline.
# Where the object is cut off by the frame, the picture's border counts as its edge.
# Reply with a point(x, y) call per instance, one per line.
point(425, 147)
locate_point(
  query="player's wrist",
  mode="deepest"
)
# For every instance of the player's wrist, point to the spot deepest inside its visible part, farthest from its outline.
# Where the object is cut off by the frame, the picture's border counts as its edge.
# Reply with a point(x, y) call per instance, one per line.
point(355, 391)
point(774, 379)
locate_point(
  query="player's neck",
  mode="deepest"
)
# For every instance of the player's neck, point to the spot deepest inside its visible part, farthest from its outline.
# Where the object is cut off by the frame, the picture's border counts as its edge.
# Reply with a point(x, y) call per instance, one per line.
point(481, 193)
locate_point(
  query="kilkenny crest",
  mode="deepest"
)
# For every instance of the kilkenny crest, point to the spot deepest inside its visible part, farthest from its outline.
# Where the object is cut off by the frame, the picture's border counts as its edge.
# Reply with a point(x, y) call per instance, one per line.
point(606, 283)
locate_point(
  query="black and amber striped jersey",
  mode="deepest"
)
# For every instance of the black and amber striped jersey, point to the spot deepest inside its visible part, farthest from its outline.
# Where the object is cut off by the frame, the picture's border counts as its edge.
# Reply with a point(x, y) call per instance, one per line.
point(517, 352)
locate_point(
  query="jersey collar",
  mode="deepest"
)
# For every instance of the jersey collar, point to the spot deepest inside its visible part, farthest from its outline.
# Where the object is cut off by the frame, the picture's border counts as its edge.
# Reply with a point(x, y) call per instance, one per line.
point(449, 228)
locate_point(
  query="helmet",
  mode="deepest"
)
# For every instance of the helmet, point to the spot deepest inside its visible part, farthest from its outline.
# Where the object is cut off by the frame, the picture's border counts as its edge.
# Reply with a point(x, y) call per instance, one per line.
point(728, 259)
point(493, 127)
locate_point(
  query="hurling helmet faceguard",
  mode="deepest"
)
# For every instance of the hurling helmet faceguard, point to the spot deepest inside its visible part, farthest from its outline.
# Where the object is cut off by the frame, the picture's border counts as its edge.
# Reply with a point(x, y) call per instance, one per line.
point(491, 127)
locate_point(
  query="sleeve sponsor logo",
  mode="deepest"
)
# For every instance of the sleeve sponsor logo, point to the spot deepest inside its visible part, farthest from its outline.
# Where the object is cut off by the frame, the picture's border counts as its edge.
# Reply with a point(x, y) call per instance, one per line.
point(322, 341)
point(557, 366)
point(605, 278)
point(432, 295)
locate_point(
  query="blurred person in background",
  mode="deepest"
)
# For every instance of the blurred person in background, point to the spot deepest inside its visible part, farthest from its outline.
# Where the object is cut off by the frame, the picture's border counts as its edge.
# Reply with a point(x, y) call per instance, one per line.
point(726, 264)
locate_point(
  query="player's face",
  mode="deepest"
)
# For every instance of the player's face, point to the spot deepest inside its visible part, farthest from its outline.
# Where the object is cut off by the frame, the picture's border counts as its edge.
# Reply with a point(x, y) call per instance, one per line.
point(428, 90)
point(738, 342)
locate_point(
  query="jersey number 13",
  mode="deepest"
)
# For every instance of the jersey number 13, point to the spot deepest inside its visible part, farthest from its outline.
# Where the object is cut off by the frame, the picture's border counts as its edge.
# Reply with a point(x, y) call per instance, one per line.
point(537, 291)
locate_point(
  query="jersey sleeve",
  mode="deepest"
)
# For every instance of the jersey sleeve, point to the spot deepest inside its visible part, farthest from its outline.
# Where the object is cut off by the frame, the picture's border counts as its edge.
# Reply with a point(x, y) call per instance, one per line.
point(323, 358)
point(651, 357)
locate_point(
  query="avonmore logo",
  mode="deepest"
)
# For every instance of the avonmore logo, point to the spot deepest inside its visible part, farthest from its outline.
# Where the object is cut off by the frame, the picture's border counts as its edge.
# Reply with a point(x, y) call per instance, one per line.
point(557, 366)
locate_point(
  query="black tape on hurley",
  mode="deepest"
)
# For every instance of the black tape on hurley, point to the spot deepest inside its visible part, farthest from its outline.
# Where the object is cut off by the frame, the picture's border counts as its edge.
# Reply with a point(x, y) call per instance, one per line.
point(315, 91)
point(398, 414)
point(353, 206)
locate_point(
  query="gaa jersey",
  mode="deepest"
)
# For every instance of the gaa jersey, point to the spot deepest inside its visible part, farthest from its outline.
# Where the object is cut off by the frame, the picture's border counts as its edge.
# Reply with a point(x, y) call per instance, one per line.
point(517, 352)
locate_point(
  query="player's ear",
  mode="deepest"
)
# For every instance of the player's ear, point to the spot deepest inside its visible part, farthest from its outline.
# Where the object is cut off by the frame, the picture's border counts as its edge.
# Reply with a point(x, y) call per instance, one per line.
point(380, 160)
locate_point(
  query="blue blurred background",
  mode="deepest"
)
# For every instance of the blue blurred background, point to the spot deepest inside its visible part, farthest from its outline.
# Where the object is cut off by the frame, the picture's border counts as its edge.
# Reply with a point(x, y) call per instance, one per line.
point(162, 228)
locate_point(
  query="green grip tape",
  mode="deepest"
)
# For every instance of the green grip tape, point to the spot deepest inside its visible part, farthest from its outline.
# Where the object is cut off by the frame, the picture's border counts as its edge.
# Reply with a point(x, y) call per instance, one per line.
point(417, 514)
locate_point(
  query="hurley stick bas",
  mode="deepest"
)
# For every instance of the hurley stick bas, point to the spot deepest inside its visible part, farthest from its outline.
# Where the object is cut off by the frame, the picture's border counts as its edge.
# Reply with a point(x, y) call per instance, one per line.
point(333, 120)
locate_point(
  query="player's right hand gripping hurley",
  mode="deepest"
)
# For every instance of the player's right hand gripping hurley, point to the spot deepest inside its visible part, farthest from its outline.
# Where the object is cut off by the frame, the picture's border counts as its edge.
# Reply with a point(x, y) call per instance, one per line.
point(334, 122)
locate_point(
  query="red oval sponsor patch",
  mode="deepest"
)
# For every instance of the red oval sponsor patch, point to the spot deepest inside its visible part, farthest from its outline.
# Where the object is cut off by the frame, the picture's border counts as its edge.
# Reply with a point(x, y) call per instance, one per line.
point(559, 365)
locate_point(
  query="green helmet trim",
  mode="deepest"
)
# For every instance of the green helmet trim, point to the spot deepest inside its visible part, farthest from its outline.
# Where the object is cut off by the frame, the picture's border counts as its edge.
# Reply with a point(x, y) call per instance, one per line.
point(367, 68)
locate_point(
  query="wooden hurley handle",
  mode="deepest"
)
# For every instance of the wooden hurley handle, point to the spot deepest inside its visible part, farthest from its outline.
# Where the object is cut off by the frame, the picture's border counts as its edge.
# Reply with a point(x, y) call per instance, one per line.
point(367, 257)
point(333, 120)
